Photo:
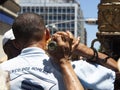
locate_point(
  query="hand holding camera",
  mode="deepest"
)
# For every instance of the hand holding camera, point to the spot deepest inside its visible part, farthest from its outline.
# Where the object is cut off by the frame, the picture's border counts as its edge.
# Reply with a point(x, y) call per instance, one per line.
point(61, 45)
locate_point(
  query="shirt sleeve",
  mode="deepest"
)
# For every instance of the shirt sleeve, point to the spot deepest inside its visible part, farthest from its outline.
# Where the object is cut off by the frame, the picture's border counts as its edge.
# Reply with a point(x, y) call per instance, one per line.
point(94, 76)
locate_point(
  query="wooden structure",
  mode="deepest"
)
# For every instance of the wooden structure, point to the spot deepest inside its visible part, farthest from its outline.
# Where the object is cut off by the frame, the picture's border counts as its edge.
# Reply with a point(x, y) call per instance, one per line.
point(109, 27)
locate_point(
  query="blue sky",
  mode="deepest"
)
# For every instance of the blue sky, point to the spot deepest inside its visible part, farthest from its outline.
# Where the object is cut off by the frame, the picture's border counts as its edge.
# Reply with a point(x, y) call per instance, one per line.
point(90, 10)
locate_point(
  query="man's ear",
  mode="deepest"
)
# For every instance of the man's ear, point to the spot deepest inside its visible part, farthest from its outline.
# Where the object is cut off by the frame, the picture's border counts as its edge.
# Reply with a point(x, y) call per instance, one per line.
point(47, 34)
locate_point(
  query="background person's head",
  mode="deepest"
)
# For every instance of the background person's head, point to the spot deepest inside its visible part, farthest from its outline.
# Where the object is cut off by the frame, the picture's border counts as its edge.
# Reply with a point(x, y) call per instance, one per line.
point(9, 45)
point(29, 29)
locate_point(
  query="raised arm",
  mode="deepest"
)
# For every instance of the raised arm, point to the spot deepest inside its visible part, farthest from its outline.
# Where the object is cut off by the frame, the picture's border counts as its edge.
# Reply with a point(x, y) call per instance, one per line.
point(61, 58)
point(102, 59)
point(90, 54)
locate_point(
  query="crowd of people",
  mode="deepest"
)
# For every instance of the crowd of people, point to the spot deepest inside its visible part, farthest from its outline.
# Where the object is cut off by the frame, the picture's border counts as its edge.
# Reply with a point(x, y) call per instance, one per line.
point(32, 66)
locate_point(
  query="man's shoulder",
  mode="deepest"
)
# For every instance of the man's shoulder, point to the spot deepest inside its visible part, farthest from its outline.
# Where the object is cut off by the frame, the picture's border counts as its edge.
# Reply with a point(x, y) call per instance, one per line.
point(7, 64)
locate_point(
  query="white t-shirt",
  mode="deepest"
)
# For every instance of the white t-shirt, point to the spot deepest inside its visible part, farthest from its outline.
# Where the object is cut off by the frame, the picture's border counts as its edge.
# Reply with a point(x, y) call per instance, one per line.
point(33, 70)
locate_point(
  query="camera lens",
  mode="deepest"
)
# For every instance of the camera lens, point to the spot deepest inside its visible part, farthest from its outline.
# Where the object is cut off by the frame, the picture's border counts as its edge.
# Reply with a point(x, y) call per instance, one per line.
point(52, 45)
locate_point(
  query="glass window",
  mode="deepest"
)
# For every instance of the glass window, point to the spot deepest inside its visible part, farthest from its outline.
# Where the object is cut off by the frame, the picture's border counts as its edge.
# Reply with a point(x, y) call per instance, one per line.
point(37, 9)
point(50, 17)
point(64, 10)
point(59, 25)
point(33, 10)
point(63, 25)
point(68, 25)
point(68, 17)
point(59, 17)
point(50, 10)
point(68, 10)
point(72, 17)
point(28, 9)
point(55, 9)
point(72, 24)
point(24, 9)
point(54, 17)
point(46, 10)
point(63, 17)
point(41, 9)
point(59, 10)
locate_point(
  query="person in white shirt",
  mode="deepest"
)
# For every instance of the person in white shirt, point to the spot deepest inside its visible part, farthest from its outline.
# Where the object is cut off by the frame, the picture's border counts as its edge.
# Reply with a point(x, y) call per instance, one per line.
point(9, 47)
point(34, 69)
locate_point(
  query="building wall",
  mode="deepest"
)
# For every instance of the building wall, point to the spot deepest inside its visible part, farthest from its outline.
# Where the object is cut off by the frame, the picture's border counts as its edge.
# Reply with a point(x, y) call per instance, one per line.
point(65, 16)
point(45, 1)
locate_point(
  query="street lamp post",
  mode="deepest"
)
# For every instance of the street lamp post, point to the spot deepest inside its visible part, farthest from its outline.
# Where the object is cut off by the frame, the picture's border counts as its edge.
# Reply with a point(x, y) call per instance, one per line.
point(92, 21)
point(53, 27)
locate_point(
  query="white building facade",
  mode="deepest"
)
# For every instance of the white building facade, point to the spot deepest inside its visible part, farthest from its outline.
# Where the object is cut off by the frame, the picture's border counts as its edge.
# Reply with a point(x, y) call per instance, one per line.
point(62, 14)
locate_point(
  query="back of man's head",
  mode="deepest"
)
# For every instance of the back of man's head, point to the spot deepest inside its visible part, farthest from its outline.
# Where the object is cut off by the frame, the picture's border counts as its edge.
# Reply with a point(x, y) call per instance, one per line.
point(28, 27)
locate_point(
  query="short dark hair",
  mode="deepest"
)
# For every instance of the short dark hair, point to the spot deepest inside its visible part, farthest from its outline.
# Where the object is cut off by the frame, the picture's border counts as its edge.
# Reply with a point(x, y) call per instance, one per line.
point(28, 27)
